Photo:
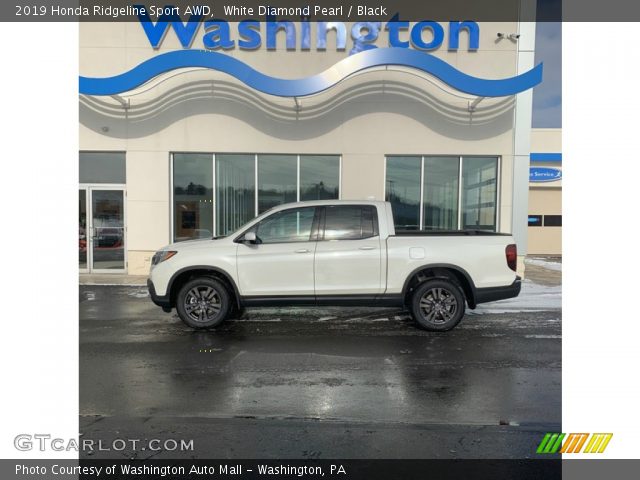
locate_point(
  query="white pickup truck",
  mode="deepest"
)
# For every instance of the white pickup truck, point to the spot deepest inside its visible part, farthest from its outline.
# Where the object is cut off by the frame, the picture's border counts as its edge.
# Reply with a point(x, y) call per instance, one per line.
point(334, 253)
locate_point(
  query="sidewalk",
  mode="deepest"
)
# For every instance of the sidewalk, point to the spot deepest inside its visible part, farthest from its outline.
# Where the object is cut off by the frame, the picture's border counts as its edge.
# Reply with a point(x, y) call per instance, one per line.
point(113, 279)
point(543, 270)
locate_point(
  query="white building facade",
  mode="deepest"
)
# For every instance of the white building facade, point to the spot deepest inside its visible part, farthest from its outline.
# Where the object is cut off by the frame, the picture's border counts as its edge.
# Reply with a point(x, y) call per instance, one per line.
point(195, 151)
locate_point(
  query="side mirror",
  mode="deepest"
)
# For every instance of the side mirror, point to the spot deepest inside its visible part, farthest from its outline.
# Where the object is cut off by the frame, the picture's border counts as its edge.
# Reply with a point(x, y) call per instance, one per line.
point(250, 237)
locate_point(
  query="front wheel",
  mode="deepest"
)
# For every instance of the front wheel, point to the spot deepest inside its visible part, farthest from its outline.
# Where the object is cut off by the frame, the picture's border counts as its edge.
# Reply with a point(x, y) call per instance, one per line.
point(438, 305)
point(203, 302)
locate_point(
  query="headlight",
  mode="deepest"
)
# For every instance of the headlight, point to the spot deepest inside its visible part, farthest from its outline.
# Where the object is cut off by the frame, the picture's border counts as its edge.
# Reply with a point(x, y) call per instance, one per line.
point(161, 256)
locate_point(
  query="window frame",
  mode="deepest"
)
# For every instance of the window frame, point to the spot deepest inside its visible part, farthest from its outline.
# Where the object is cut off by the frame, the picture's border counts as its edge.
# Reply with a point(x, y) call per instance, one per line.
point(256, 189)
point(172, 224)
point(313, 235)
point(497, 196)
point(460, 158)
point(323, 222)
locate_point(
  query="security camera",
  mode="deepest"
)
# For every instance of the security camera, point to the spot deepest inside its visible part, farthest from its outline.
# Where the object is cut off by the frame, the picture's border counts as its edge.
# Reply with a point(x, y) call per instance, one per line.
point(500, 35)
point(514, 36)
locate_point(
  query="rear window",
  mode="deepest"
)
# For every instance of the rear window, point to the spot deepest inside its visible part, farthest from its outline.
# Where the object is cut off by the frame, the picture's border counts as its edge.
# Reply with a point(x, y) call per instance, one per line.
point(350, 222)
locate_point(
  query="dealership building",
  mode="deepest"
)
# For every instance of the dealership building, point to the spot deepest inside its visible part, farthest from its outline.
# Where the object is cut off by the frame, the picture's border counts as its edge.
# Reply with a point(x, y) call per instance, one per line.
point(193, 143)
point(545, 193)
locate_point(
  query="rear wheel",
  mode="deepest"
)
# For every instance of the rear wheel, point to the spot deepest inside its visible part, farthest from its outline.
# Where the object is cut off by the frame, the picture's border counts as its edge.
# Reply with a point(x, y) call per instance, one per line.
point(438, 305)
point(203, 302)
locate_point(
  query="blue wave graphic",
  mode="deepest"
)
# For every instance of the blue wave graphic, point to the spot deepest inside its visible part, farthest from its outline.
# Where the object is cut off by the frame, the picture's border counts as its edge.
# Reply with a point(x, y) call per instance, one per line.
point(311, 85)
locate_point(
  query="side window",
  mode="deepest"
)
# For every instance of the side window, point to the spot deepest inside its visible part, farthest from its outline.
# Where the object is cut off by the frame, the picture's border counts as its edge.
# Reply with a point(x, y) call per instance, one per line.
point(350, 222)
point(287, 226)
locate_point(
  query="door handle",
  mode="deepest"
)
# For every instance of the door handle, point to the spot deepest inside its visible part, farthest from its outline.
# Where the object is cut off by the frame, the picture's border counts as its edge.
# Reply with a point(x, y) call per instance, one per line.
point(367, 248)
point(303, 250)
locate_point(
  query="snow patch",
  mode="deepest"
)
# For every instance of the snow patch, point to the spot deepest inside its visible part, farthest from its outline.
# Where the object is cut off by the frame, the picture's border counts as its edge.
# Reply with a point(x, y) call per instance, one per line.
point(365, 320)
point(539, 262)
point(139, 294)
point(533, 298)
point(256, 319)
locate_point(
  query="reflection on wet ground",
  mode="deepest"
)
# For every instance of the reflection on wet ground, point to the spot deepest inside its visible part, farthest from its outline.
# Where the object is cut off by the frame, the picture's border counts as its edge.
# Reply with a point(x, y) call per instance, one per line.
point(333, 373)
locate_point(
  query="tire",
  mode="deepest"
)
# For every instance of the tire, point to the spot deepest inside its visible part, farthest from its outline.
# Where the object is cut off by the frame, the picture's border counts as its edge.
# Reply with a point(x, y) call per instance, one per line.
point(203, 302)
point(438, 305)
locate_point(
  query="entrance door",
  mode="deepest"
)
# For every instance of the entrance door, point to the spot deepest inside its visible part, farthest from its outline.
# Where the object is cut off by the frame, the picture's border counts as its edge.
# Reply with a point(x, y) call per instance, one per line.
point(102, 231)
point(83, 228)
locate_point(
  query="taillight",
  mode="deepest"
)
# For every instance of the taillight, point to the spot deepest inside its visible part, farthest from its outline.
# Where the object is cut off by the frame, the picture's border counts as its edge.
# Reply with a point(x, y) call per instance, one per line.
point(511, 253)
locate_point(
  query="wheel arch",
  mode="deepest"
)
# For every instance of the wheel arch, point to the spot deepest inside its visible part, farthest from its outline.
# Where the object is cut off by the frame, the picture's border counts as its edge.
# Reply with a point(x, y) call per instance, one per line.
point(441, 270)
point(183, 275)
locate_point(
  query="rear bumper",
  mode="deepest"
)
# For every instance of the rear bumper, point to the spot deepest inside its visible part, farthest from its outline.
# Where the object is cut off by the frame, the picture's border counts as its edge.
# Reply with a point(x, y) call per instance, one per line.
point(484, 295)
point(164, 302)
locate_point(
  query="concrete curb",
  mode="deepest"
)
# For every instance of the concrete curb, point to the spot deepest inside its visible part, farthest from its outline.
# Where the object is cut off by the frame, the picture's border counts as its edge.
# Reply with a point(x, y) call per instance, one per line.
point(113, 280)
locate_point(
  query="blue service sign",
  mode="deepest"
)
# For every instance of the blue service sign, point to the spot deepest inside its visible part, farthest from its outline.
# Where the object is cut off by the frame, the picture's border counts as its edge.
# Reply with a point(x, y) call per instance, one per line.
point(544, 174)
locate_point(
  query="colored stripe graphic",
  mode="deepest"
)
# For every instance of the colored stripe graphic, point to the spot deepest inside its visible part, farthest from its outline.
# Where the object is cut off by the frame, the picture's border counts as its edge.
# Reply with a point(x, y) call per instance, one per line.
point(554, 446)
point(552, 442)
point(282, 87)
point(598, 442)
point(543, 443)
point(574, 442)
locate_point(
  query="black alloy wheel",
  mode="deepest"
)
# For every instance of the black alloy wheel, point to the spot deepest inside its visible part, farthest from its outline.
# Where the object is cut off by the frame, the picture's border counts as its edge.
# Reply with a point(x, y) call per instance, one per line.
point(438, 304)
point(203, 302)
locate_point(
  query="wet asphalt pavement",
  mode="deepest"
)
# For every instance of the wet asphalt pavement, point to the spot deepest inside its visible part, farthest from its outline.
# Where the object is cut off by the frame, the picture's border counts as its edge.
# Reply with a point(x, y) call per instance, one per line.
point(316, 383)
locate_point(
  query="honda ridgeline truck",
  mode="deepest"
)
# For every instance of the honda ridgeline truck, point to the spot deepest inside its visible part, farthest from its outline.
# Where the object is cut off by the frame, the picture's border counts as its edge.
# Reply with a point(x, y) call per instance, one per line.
point(334, 253)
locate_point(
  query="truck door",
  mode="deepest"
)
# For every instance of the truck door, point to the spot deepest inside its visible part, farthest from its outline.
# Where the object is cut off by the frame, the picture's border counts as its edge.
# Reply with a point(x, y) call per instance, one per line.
point(281, 264)
point(348, 254)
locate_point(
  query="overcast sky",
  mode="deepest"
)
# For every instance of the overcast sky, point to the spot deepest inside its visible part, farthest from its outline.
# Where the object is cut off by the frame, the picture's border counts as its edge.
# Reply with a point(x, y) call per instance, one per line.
point(547, 97)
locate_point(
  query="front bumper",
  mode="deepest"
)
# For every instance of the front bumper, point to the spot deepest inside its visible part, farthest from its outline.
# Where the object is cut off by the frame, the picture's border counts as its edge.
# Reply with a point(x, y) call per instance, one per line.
point(161, 301)
point(492, 294)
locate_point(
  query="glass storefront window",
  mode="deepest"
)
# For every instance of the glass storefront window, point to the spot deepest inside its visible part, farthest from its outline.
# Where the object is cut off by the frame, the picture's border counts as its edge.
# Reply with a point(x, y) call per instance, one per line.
point(403, 191)
point(192, 196)
point(319, 177)
point(441, 193)
point(235, 191)
point(479, 194)
point(277, 180)
point(238, 197)
point(439, 197)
